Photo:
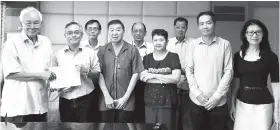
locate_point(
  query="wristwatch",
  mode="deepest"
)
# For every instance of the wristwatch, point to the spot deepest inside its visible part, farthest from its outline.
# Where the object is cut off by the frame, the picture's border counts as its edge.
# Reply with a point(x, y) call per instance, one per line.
point(89, 71)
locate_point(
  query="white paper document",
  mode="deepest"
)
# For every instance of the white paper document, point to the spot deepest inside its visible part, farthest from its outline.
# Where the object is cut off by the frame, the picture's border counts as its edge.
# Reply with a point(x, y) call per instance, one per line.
point(66, 76)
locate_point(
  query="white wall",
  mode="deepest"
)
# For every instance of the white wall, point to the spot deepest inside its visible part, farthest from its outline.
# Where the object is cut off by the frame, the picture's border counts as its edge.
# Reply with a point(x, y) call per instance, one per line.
point(270, 17)
point(57, 14)
point(154, 14)
point(230, 30)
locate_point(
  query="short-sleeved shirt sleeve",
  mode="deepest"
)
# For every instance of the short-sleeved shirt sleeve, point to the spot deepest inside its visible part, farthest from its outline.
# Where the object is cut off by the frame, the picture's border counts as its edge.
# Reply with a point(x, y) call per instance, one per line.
point(10, 59)
point(235, 65)
point(137, 65)
point(144, 61)
point(175, 61)
point(274, 68)
point(171, 61)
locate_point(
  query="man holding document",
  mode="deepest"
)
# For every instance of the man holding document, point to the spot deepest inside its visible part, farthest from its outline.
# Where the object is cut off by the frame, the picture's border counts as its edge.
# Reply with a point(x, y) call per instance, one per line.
point(75, 99)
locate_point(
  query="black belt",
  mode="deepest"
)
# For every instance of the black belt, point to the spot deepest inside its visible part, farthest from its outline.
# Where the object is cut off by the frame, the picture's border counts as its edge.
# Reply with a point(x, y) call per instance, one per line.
point(81, 98)
point(246, 88)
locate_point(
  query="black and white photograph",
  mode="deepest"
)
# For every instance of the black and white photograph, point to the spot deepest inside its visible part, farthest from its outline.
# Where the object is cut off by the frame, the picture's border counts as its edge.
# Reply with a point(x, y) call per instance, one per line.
point(139, 65)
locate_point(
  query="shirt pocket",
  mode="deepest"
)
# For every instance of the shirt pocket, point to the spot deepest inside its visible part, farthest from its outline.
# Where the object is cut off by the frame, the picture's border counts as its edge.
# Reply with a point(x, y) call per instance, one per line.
point(124, 64)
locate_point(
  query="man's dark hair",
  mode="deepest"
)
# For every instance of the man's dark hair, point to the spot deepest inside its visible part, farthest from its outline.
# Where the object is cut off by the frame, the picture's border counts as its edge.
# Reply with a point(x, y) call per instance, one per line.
point(209, 13)
point(91, 22)
point(116, 21)
point(181, 19)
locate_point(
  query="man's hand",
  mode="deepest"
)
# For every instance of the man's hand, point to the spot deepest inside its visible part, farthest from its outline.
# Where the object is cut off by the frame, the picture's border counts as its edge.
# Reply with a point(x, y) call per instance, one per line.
point(48, 75)
point(212, 103)
point(82, 69)
point(121, 103)
point(202, 99)
point(276, 113)
point(109, 102)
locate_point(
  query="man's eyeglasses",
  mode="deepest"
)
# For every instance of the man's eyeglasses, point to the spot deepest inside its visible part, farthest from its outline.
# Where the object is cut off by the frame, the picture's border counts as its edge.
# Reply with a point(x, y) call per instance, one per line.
point(251, 33)
point(34, 24)
point(71, 33)
point(92, 29)
point(140, 31)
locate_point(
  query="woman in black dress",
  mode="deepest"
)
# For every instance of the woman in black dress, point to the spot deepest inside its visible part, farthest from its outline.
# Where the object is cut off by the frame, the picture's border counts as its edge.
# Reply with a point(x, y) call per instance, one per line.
point(162, 73)
point(253, 109)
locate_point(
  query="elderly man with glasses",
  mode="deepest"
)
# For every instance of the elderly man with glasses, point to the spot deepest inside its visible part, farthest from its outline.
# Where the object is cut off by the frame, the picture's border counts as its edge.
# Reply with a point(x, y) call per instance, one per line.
point(24, 96)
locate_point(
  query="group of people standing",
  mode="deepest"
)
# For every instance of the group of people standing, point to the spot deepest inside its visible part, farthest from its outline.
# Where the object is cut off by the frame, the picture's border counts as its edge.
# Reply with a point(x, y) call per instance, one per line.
point(179, 78)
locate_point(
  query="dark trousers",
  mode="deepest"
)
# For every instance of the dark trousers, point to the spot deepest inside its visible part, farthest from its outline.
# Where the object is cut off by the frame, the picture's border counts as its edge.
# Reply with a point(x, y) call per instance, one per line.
point(94, 111)
point(215, 119)
point(163, 115)
point(21, 121)
point(114, 115)
point(75, 110)
point(27, 118)
point(139, 113)
point(184, 121)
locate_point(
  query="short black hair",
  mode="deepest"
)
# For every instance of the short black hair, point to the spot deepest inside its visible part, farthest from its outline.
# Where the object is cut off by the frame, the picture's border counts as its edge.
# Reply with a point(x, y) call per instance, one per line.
point(140, 23)
point(160, 32)
point(209, 13)
point(91, 22)
point(116, 21)
point(181, 19)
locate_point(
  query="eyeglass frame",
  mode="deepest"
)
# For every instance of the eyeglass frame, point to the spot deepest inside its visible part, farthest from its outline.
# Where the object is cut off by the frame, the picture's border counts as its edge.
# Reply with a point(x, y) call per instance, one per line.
point(140, 31)
point(258, 33)
point(32, 23)
point(75, 32)
point(93, 29)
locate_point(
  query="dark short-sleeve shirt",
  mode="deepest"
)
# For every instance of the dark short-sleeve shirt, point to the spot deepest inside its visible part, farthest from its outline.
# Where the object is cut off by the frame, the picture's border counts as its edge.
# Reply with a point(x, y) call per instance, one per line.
point(118, 70)
point(165, 66)
point(255, 74)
